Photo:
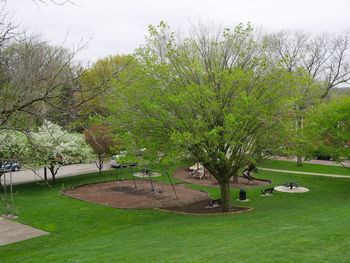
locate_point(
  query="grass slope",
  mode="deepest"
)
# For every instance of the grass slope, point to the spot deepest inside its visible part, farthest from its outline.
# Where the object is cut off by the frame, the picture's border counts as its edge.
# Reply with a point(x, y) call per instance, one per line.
point(310, 227)
point(306, 167)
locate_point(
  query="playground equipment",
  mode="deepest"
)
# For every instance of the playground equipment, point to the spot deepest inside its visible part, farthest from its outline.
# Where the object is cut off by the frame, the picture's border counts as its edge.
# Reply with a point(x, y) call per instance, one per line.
point(147, 174)
point(130, 165)
point(172, 185)
point(198, 171)
point(246, 174)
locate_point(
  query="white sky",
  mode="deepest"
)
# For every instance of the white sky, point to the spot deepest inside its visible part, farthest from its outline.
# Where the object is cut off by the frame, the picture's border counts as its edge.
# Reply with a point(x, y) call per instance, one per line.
point(118, 27)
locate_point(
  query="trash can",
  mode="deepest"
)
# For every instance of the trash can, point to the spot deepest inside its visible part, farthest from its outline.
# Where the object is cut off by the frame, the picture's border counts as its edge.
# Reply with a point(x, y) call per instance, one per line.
point(242, 195)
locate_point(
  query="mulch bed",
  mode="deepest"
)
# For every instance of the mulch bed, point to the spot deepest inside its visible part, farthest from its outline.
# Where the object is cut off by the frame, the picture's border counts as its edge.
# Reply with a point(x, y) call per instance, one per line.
point(182, 174)
point(124, 195)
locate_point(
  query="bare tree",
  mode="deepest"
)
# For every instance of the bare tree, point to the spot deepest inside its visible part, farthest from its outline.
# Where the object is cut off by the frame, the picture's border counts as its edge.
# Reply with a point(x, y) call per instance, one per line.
point(34, 74)
point(323, 58)
point(326, 57)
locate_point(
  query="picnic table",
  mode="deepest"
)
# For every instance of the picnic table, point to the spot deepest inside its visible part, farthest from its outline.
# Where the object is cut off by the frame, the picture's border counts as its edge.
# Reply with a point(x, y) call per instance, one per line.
point(291, 184)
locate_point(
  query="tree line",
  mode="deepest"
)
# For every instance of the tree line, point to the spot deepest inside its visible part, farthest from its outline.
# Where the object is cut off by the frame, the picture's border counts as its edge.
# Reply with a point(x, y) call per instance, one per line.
point(226, 97)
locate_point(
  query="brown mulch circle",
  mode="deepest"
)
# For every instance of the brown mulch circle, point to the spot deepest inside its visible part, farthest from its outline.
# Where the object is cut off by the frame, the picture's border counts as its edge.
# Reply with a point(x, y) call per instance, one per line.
point(122, 194)
point(182, 174)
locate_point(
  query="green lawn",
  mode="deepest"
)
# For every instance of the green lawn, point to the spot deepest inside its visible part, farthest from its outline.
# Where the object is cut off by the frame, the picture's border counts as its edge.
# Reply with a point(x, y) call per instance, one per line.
point(306, 167)
point(310, 227)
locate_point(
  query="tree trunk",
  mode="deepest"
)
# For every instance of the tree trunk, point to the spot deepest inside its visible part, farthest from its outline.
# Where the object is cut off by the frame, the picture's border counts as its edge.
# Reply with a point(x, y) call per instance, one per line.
point(299, 160)
point(99, 164)
point(235, 179)
point(259, 156)
point(100, 160)
point(299, 127)
point(45, 173)
point(53, 173)
point(225, 196)
point(1, 173)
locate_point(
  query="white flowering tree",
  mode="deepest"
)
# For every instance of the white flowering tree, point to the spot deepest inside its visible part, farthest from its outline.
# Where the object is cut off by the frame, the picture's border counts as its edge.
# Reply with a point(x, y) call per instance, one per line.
point(54, 147)
point(14, 147)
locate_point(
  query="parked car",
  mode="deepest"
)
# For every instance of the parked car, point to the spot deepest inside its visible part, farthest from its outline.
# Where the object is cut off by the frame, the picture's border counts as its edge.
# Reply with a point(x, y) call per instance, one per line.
point(114, 161)
point(11, 165)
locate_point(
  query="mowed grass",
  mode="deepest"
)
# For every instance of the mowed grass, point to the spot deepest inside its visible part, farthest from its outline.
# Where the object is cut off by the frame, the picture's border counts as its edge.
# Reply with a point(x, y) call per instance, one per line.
point(306, 167)
point(309, 227)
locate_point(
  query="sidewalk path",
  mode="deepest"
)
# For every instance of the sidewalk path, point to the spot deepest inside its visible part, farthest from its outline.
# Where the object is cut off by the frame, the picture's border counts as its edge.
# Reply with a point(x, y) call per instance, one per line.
point(296, 172)
point(322, 162)
point(11, 232)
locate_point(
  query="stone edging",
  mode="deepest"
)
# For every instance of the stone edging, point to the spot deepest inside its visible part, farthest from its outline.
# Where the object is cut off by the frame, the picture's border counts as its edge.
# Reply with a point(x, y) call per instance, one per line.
point(249, 209)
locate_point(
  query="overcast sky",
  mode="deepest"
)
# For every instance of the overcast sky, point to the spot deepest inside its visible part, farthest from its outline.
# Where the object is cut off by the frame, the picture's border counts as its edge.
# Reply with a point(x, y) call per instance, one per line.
point(118, 27)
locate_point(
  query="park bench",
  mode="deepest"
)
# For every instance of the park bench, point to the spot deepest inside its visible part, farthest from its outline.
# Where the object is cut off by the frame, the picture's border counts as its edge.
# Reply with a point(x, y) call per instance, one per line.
point(267, 191)
point(214, 203)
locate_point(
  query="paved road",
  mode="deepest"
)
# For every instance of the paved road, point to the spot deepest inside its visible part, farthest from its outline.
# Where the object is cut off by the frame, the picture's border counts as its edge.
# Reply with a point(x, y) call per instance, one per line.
point(27, 175)
point(296, 172)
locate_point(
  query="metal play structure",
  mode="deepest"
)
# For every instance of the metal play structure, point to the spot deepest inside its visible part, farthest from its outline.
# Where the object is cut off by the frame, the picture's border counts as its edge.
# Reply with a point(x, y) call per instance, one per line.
point(145, 173)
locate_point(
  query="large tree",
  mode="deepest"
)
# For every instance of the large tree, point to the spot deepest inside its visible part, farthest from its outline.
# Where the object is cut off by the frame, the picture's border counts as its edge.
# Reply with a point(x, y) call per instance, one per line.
point(212, 94)
point(101, 78)
point(35, 79)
